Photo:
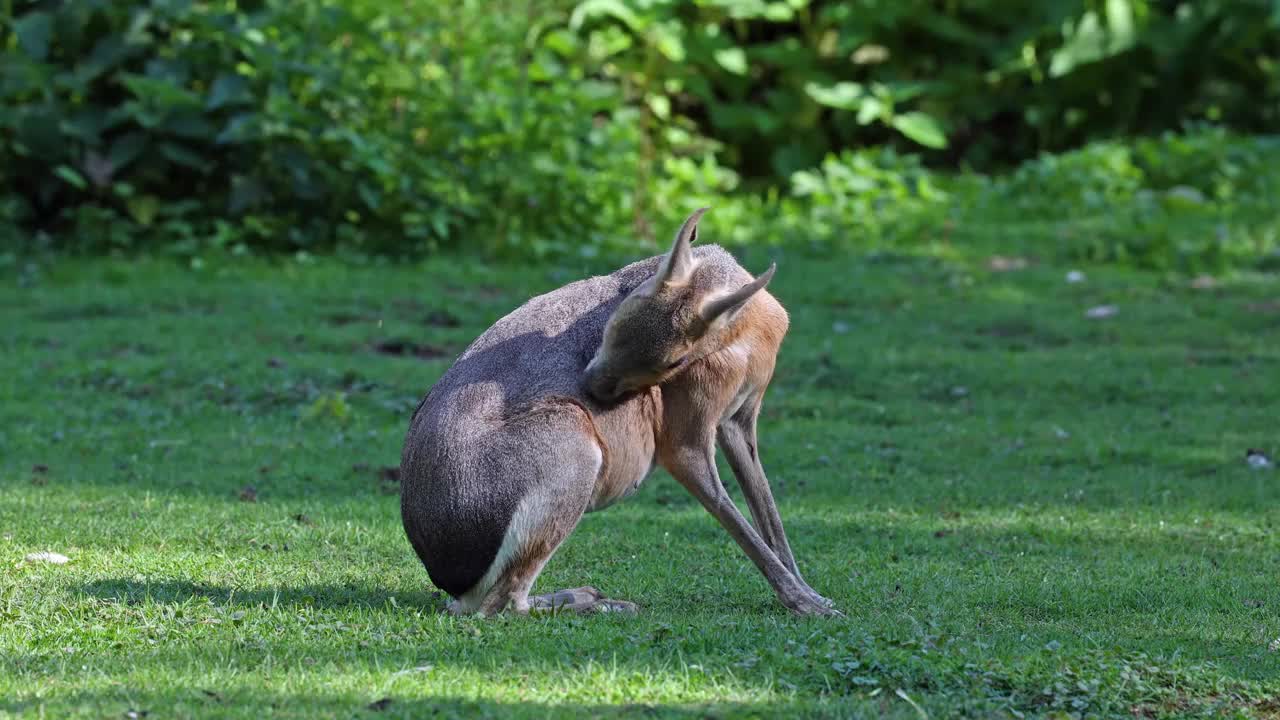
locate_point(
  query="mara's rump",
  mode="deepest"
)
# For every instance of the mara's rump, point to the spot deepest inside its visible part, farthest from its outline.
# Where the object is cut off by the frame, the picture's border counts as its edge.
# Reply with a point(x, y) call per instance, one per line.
point(472, 502)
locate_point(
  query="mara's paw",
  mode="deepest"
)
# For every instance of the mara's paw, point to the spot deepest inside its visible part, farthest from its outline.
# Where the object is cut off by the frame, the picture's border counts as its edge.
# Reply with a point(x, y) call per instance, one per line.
point(827, 602)
point(580, 600)
point(609, 605)
point(813, 604)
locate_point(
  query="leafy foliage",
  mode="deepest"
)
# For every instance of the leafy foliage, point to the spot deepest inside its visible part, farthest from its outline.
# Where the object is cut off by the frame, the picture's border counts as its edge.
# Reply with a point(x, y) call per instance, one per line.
point(871, 194)
point(571, 128)
point(783, 82)
point(1193, 203)
point(304, 124)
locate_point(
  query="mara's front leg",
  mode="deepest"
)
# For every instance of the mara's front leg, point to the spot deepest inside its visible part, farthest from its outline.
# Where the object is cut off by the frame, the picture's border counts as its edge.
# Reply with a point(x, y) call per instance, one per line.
point(737, 436)
point(694, 466)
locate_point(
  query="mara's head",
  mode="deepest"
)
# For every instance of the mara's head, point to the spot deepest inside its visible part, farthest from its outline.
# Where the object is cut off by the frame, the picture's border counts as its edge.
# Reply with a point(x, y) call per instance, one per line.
point(676, 316)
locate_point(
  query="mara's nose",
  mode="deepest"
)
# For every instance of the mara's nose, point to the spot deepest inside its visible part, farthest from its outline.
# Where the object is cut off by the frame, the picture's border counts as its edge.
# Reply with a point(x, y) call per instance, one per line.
point(601, 387)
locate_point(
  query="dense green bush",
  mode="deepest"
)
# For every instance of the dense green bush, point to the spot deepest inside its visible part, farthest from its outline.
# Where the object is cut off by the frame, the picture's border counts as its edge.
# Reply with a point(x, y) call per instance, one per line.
point(390, 127)
point(875, 195)
point(578, 127)
point(987, 82)
point(1195, 202)
point(1187, 203)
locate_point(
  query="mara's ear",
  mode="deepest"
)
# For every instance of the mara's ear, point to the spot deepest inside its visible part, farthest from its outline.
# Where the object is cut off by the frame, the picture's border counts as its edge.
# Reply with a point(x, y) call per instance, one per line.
point(731, 303)
point(678, 263)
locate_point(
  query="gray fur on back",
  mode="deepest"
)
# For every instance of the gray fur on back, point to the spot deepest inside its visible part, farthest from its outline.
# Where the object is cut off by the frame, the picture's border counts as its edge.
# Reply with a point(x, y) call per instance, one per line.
point(540, 349)
point(462, 448)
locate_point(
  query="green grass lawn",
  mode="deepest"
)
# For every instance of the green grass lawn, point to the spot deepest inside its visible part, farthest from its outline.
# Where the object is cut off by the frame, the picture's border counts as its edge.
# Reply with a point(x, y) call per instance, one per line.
point(1023, 511)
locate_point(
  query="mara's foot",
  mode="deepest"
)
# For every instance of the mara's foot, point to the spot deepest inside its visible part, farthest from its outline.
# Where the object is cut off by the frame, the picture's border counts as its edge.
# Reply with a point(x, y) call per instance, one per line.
point(581, 600)
point(828, 602)
point(812, 604)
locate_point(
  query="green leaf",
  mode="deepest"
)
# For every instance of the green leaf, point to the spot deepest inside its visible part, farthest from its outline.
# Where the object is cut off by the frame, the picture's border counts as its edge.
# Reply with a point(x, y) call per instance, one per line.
point(1120, 24)
point(143, 209)
point(140, 113)
point(805, 183)
point(238, 129)
point(371, 197)
point(732, 59)
point(561, 42)
point(73, 177)
point(843, 95)
point(667, 39)
point(161, 92)
point(188, 124)
point(902, 92)
point(608, 8)
point(108, 53)
point(661, 106)
point(921, 128)
point(182, 156)
point(136, 34)
point(84, 126)
point(34, 30)
point(1089, 41)
point(37, 129)
point(779, 12)
point(228, 89)
point(871, 109)
point(126, 149)
point(743, 9)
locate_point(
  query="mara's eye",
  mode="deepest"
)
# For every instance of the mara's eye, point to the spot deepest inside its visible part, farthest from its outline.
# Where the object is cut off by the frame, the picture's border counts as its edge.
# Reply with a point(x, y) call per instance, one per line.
point(675, 365)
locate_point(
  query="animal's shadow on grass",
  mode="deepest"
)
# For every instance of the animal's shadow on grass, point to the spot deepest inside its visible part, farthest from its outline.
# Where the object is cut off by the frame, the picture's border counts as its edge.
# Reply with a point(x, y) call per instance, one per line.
point(322, 596)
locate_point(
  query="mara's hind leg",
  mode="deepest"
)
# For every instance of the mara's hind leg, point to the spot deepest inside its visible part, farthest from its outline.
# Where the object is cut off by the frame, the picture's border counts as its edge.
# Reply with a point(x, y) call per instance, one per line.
point(545, 533)
point(545, 516)
point(544, 529)
point(547, 528)
point(561, 459)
